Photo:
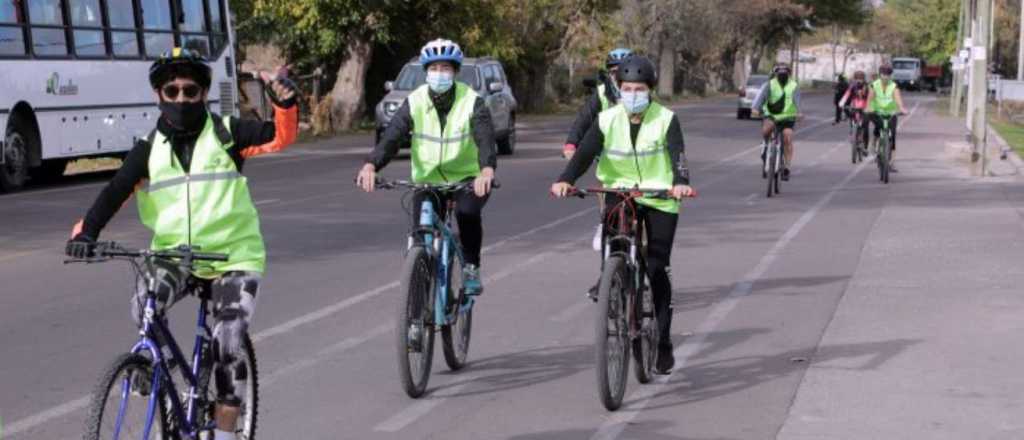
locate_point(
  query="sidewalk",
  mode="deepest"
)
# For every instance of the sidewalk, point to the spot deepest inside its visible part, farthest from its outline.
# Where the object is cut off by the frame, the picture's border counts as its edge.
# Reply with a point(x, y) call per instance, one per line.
point(939, 280)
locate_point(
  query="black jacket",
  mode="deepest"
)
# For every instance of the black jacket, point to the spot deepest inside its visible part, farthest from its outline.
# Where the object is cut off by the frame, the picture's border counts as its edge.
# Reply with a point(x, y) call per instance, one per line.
point(588, 113)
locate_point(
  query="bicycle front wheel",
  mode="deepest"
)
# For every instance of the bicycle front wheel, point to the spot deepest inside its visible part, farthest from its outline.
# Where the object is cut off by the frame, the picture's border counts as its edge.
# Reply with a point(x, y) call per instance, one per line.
point(612, 333)
point(415, 334)
point(773, 172)
point(455, 334)
point(645, 344)
point(124, 405)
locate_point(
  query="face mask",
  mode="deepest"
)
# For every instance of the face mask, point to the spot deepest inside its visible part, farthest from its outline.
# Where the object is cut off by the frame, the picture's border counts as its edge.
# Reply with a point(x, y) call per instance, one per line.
point(783, 78)
point(439, 82)
point(636, 102)
point(188, 116)
point(886, 77)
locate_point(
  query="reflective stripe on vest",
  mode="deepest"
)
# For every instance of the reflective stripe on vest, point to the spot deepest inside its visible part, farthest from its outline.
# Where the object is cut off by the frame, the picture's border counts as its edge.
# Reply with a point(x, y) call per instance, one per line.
point(448, 156)
point(775, 91)
point(209, 207)
point(647, 165)
point(885, 98)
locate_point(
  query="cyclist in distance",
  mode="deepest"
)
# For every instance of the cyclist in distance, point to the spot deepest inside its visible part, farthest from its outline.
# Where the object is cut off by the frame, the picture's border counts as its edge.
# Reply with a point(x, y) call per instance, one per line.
point(452, 140)
point(191, 192)
point(885, 101)
point(856, 97)
point(640, 144)
point(779, 102)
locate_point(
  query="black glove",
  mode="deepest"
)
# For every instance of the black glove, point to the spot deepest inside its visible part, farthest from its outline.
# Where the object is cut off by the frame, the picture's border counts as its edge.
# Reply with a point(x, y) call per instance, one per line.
point(80, 246)
point(290, 85)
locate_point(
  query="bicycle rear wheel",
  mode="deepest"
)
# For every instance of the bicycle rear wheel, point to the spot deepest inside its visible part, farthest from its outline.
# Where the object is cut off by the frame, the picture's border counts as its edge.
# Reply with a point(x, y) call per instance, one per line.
point(415, 334)
point(123, 403)
point(455, 335)
point(612, 333)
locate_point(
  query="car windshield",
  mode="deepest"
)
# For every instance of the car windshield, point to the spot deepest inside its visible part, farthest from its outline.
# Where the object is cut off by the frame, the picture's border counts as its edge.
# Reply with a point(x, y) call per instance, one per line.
point(756, 81)
point(413, 76)
point(904, 65)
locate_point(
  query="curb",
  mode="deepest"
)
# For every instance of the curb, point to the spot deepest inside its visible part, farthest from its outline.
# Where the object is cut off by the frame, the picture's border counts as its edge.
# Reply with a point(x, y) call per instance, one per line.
point(1011, 155)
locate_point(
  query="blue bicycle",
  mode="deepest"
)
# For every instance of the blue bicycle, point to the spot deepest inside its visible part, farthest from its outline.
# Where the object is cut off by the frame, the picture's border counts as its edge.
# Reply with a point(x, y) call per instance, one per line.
point(432, 285)
point(138, 394)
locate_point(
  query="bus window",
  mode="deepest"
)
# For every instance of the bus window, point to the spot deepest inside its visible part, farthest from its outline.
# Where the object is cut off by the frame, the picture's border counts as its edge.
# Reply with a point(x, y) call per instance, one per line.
point(218, 29)
point(88, 25)
point(48, 38)
point(123, 39)
point(156, 15)
point(193, 26)
point(12, 35)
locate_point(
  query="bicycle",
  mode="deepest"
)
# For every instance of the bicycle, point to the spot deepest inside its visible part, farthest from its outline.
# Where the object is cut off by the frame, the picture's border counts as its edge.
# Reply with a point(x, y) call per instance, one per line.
point(625, 317)
point(858, 149)
point(434, 297)
point(885, 145)
point(144, 376)
point(772, 159)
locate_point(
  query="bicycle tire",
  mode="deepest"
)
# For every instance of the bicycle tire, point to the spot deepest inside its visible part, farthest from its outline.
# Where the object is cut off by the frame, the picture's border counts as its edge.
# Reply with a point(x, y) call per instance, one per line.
point(417, 283)
point(611, 307)
point(455, 336)
point(883, 158)
point(772, 171)
point(646, 343)
point(135, 371)
point(888, 154)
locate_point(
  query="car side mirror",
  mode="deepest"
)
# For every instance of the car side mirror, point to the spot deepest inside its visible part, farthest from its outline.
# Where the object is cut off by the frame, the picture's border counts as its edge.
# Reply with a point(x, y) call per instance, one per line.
point(590, 83)
point(389, 85)
point(495, 87)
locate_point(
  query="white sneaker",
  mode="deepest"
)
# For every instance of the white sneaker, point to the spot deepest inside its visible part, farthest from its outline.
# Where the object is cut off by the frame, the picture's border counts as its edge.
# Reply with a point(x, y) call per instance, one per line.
point(596, 243)
point(223, 435)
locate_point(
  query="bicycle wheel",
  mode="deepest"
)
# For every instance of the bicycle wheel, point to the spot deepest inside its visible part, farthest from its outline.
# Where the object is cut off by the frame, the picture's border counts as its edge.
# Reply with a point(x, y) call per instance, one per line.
point(612, 333)
point(888, 154)
point(773, 153)
point(415, 334)
point(883, 157)
point(123, 403)
point(455, 335)
point(246, 388)
point(645, 344)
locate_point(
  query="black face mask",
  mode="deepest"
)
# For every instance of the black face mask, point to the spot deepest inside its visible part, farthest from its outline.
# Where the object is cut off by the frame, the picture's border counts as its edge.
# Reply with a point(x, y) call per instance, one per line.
point(783, 78)
point(186, 116)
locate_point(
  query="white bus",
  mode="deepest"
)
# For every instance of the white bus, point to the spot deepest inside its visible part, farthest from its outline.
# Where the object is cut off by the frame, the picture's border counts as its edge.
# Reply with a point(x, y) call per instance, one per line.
point(74, 75)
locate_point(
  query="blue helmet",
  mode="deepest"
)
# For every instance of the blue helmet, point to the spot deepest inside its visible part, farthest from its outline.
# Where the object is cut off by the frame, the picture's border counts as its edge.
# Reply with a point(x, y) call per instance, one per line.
point(441, 50)
point(617, 56)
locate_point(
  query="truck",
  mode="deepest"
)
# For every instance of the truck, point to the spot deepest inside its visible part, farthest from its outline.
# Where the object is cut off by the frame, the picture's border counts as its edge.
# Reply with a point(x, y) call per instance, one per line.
point(906, 72)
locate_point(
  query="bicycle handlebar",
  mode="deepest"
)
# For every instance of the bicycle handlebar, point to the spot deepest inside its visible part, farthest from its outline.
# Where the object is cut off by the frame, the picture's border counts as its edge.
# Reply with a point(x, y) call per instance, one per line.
point(458, 186)
point(630, 192)
point(106, 250)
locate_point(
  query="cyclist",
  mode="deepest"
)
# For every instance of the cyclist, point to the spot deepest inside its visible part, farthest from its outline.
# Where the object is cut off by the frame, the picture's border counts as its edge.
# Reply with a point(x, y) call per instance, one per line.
point(885, 101)
point(779, 102)
point(605, 96)
point(840, 90)
point(856, 98)
point(452, 140)
point(656, 160)
point(191, 191)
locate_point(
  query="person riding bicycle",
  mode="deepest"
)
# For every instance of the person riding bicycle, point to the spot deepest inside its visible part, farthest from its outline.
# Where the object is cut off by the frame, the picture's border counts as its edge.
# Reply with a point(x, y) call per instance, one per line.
point(190, 191)
point(842, 86)
point(779, 102)
point(640, 144)
point(885, 101)
point(856, 99)
point(452, 140)
point(605, 96)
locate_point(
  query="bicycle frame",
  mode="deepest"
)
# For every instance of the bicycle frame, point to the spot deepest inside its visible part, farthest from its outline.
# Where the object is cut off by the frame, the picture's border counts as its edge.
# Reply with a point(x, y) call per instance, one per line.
point(628, 236)
point(440, 243)
point(154, 337)
point(776, 141)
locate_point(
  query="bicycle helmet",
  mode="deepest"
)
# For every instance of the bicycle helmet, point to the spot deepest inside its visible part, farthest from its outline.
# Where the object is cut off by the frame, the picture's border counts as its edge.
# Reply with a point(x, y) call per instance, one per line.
point(637, 69)
point(441, 50)
point(617, 56)
point(859, 75)
point(180, 62)
point(886, 69)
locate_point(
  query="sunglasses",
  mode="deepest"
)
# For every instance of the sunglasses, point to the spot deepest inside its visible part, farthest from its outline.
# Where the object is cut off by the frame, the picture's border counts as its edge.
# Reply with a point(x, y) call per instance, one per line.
point(190, 91)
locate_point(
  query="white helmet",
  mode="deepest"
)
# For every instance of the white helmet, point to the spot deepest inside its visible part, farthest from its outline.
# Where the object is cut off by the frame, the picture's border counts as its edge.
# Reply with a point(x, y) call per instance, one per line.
point(441, 50)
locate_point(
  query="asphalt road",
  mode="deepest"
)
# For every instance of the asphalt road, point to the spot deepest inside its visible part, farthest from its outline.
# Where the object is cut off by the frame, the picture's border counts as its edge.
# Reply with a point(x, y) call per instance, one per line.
point(757, 283)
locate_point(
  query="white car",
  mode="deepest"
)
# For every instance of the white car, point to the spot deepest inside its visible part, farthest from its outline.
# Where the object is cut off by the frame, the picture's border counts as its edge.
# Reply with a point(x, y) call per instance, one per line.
point(748, 94)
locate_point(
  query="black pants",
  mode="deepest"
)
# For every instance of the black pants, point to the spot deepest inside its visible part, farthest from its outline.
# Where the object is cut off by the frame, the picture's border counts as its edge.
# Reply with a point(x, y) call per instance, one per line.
point(893, 122)
point(661, 232)
point(468, 209)
point(865, 125)
point(839, 111)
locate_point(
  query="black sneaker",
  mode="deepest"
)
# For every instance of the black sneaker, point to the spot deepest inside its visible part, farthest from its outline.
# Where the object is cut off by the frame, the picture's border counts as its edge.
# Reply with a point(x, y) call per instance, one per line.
point(785, 174)
point(592, 293)
point(666, 360)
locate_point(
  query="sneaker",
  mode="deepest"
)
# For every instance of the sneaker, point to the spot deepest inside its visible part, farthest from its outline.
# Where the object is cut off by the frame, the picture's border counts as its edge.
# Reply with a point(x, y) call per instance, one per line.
point(592, 293)
point(471, 280)
point(785, 174)
point(666, 360)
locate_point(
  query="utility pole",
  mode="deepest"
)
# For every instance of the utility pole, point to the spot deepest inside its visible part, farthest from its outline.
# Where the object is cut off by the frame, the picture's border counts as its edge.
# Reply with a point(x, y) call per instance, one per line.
point(956, 94)
point(978, 106)
point(1020, 45)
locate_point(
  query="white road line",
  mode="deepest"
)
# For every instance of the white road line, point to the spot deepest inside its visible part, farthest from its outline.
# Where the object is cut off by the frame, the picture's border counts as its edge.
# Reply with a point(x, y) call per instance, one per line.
point(264, 202)
point(333, 350)
point(733, 157)
point(570, 312)
point(45, 416)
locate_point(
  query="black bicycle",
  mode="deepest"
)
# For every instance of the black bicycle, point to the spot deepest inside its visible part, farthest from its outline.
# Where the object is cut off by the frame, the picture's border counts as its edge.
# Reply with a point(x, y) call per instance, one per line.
point(772, 159)
point(626, 321)
point(858, 147)
point(154, 391)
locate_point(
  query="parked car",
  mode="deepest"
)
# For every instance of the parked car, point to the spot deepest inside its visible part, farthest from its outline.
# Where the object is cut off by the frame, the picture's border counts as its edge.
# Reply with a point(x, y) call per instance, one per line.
point(485, 75)
point(748, 94)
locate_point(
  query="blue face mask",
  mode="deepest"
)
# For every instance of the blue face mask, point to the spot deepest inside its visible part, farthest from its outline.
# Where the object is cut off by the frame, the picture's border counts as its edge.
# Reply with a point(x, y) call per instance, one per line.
point(635, 102)
point(440, 82)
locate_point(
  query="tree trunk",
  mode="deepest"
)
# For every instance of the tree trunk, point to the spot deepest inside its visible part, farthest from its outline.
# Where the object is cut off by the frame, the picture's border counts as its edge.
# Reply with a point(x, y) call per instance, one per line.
point(666, 69)
point(534, 87)
point(741, 69)
point(347, 94)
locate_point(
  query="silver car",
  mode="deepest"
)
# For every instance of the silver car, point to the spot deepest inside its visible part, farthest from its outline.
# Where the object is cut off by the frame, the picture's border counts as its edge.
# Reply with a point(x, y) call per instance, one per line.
point(748, 94)
point(484, 75)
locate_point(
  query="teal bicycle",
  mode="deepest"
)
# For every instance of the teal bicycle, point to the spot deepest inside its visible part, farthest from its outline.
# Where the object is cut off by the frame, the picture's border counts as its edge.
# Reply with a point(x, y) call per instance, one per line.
point(885, 146)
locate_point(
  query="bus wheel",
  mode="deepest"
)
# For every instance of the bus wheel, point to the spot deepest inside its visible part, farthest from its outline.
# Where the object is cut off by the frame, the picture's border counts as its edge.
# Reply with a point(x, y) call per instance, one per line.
point(14, 167)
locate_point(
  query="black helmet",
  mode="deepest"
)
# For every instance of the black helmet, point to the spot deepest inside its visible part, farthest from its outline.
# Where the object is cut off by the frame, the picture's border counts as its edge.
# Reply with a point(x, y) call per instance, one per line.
point(886, 69)
point(180, 63)
point(638, 68)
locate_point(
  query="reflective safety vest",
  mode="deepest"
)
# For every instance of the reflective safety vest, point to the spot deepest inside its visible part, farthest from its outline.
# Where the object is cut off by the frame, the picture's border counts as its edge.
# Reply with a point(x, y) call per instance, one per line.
point(444, 156)
point(885, 98)
point(602, 97)
point(646, 164)
point(209, 206)
point(775, 91)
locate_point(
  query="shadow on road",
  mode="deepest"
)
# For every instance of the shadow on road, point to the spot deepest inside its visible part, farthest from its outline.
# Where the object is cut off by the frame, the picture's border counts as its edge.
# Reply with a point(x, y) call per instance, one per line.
point(522, 369)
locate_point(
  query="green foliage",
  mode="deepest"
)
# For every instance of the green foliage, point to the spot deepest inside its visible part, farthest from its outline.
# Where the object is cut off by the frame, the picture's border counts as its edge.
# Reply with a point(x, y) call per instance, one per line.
point(928, 27)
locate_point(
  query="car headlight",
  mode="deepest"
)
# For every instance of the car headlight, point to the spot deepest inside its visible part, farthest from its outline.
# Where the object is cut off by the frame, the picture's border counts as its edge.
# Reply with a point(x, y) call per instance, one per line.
point(390, 108)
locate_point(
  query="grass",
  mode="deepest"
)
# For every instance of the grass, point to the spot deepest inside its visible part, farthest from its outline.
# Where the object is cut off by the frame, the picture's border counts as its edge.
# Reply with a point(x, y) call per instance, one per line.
point(1012, 132)
point(93, 165)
